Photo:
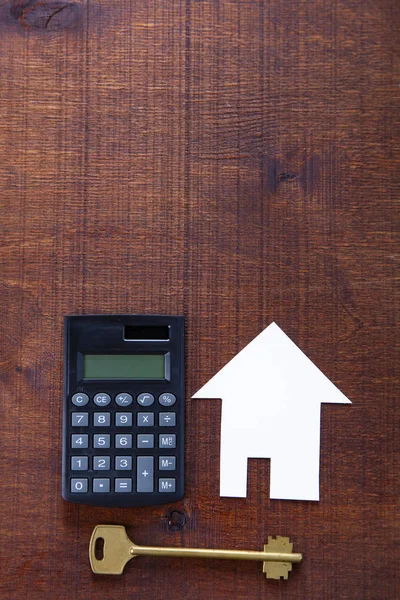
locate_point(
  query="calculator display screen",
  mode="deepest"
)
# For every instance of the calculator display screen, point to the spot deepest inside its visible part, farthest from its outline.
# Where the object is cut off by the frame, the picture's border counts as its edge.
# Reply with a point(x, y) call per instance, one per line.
point(124, 366)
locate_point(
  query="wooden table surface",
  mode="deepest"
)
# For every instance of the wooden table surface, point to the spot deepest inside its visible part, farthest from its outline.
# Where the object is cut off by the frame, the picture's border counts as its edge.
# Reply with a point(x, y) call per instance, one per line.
point(237, 162)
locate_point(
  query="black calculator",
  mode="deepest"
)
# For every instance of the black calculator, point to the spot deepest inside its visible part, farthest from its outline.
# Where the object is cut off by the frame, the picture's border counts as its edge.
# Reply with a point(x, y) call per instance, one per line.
point(123, 420)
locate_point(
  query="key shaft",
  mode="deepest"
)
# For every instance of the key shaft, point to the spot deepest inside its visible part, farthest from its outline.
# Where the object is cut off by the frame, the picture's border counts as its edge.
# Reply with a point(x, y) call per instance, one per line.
point(215, 553)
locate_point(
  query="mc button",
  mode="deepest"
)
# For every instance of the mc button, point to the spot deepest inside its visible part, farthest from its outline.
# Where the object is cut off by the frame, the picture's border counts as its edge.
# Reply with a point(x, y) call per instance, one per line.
point(167, 441)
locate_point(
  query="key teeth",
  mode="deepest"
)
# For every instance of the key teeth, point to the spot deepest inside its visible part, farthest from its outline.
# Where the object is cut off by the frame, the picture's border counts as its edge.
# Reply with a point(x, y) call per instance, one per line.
point(278, 543)
point(277, 570)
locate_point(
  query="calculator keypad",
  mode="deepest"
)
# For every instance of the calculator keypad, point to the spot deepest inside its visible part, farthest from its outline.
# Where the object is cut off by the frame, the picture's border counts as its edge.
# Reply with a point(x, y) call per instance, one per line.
point(124, 435)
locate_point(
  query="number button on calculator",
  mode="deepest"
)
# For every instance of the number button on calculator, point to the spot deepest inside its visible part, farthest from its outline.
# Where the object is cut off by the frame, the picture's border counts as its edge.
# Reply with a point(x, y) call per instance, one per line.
point(79, 463)
point(123, 419)
point(123, 463)
point(101, 463)
point(79, 441)
point(79, 419)
point(123, 441)
point(79, 486)
point(101, 441)
point(101, 419)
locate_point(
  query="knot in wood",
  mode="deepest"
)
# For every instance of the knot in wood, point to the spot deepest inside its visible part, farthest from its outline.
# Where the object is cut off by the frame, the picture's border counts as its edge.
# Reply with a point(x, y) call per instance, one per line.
point(46, 15)
point(177, 520)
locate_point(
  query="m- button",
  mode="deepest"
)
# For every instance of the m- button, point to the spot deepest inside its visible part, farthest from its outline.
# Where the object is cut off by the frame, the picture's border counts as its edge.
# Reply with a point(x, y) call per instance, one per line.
point(167, 463)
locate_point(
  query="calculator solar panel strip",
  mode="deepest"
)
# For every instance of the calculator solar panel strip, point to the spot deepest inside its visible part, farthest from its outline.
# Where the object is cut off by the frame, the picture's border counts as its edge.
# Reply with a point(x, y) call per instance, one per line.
point(123, 436)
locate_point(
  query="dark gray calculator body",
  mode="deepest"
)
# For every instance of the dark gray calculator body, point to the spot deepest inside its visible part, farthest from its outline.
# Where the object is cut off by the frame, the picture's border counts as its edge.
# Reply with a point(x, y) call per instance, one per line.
point(123, 419)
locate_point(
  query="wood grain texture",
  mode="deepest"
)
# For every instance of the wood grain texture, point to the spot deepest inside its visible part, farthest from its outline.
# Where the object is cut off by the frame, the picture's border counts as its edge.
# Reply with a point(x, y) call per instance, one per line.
point(235, 161)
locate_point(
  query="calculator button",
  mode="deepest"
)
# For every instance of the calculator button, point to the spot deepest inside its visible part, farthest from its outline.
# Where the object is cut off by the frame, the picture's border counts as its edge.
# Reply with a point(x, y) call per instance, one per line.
point(79, 419)
point(102, 399)
point(167, 463)
point(145, 399)
point(145, 440)
point(123, 485)
point(166, 485)
point(167, 399)
point(101, 486)
point(79, 440)
point(145, 419)
point(167, 419)
point(101, 419)
point(167, 441)
point(101, 463)
point(101, 441)
point(123, 463)
point(79, 486)
point(80, 399)
point(123, 399)
point(123, 419)
point(145, 474)
point(79, 463)
point(123, 441)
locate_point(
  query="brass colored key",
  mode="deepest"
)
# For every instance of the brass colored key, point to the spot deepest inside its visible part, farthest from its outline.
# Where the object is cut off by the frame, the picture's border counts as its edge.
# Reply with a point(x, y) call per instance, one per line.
point(118, 549)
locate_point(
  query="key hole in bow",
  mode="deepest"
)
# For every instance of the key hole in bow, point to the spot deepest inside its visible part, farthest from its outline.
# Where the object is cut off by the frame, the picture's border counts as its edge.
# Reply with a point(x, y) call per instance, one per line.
point(99, 548)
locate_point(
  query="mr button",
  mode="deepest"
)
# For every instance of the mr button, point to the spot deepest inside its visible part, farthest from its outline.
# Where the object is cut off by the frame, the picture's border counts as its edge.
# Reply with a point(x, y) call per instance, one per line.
point(167, 441)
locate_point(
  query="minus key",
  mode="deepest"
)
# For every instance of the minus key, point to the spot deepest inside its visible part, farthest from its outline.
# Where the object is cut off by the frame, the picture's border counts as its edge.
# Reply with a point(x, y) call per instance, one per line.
point(145, 440)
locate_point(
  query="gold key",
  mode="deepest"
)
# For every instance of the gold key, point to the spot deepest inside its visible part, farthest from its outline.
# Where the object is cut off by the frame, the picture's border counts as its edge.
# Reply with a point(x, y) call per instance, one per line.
point(117, 550)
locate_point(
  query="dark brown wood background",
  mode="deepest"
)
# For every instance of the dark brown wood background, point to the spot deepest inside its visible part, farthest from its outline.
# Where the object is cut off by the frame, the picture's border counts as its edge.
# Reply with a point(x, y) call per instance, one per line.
point(235, 161)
